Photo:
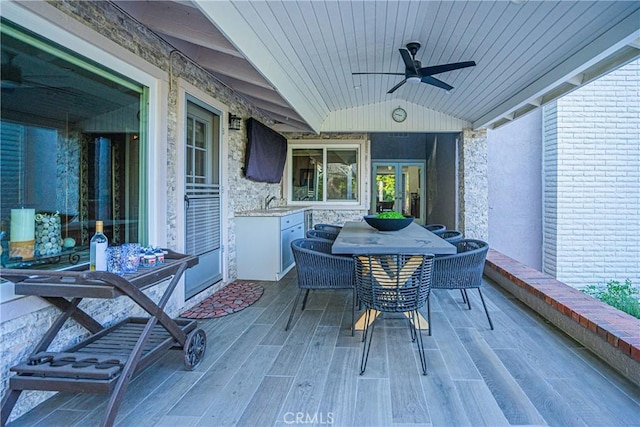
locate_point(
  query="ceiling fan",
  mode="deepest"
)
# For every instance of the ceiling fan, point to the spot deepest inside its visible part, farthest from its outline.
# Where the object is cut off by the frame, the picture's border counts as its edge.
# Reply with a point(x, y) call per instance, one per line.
point(414, 71)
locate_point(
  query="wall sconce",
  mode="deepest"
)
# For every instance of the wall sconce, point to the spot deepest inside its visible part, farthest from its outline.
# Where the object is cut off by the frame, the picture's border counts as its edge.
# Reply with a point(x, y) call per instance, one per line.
point(235, 122)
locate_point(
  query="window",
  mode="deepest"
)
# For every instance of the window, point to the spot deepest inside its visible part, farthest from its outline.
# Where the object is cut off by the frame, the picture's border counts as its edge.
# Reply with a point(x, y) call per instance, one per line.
point(72, 151)
point(325, 174)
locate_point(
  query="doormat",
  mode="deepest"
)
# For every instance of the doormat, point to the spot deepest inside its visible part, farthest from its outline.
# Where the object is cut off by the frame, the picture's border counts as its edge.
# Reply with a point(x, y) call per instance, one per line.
point(232, 298)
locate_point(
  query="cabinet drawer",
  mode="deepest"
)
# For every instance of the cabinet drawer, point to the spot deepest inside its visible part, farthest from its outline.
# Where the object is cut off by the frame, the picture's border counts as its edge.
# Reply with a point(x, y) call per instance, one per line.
point(291, 220)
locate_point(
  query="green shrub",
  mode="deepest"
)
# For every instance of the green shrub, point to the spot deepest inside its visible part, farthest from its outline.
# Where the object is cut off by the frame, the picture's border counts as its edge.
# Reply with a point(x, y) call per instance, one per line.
point(623, 297)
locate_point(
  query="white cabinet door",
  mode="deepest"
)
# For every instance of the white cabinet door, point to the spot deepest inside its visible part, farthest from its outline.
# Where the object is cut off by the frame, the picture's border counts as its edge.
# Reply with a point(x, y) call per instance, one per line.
point(287, 236)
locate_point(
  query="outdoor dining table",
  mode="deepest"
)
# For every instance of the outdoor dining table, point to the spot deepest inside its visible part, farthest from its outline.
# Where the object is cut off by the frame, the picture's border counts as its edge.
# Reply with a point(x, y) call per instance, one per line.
point(359, 238)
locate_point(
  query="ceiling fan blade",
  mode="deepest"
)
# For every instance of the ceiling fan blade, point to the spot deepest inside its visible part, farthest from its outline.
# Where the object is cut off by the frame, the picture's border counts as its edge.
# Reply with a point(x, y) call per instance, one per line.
point(437, 69)
point(435, 82)
point(408, 61)
point(393, 89)
point(391, 74)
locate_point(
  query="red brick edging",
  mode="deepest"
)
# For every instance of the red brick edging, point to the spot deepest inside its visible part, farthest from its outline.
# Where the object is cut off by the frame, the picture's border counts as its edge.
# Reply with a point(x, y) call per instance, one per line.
point(618, 328)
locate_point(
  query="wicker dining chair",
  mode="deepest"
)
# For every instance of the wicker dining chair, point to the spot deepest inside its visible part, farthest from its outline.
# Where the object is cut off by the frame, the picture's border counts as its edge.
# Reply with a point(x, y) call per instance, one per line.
point(451, 236)
point(393, 283)
point(318, 268)
point(436, 229)
point(461, 271)
point(328, 227)
point(321, 234)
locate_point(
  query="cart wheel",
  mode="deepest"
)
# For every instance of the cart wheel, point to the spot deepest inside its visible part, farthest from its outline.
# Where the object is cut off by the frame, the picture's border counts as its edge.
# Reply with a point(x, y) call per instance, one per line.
point(194, 348)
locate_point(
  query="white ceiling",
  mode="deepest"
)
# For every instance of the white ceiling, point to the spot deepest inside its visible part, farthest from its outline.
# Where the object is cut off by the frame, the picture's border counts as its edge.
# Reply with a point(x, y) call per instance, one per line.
point(294, 59)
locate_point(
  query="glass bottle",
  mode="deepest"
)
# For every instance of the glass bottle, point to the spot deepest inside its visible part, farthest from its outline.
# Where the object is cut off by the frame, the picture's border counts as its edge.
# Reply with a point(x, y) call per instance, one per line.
point(159, 253)
point(149, 258)
point(98, 249)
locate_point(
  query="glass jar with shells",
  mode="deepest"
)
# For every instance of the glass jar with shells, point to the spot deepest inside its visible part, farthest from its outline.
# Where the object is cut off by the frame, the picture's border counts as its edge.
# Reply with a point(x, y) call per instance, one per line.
point(48, 234)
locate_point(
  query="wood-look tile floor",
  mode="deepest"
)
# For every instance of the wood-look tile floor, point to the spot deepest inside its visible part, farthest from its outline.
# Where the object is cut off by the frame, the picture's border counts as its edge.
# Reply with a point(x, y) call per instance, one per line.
point(525, 372)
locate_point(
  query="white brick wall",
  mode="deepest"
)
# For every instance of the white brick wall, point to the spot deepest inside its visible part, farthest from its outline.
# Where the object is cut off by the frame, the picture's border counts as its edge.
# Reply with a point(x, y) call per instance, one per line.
point(592, 200)
point(550, 188)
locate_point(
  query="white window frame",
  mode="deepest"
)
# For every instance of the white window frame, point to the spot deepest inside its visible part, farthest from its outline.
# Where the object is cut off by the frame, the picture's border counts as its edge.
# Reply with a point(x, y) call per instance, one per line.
point(329, 144)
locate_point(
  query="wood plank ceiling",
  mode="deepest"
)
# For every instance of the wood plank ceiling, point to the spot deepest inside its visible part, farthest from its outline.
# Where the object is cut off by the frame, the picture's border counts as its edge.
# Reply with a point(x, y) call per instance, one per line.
point(294, 59)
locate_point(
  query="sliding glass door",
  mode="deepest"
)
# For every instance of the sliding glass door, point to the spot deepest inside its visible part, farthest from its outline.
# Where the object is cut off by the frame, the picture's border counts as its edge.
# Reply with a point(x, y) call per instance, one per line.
point(399, 186)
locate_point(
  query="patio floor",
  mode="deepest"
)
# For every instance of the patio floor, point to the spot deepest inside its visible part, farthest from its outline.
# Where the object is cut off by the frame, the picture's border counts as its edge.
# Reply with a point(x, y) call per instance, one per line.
point(525, 372)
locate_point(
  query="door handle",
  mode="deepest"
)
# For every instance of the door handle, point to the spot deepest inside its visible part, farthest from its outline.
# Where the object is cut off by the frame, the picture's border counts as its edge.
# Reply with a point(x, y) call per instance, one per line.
point(186, 200)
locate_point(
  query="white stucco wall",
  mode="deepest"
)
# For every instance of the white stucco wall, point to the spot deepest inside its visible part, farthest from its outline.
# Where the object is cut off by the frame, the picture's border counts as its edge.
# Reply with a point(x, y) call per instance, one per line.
point(515, 189)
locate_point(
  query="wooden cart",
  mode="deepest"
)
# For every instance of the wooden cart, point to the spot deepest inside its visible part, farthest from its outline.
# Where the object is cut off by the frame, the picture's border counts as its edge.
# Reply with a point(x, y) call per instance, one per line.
point(110, 356)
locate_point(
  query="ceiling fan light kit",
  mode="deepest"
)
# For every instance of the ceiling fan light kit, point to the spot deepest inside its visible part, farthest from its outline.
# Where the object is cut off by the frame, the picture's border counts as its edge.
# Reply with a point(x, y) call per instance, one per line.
point(415, 73)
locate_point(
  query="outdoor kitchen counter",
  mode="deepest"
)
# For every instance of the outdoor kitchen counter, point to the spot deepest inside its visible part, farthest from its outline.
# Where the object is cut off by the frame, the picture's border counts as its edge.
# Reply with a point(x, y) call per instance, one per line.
point(276, 211)
point(263, 240)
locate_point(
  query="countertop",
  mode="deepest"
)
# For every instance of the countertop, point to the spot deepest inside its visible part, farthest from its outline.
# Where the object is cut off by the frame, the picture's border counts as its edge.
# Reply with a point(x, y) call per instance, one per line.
point(275, 211)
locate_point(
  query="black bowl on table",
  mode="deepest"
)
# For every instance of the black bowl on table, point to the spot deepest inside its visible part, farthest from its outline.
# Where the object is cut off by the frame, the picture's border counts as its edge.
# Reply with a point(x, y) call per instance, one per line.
point(388, 224)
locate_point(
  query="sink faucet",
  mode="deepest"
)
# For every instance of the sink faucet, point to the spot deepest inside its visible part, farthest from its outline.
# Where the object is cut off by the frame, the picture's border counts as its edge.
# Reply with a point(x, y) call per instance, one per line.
point(268, 200)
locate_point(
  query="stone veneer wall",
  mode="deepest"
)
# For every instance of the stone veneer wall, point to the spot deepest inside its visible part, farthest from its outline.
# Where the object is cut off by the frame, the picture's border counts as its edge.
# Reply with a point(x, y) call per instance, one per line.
point(473, 206)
